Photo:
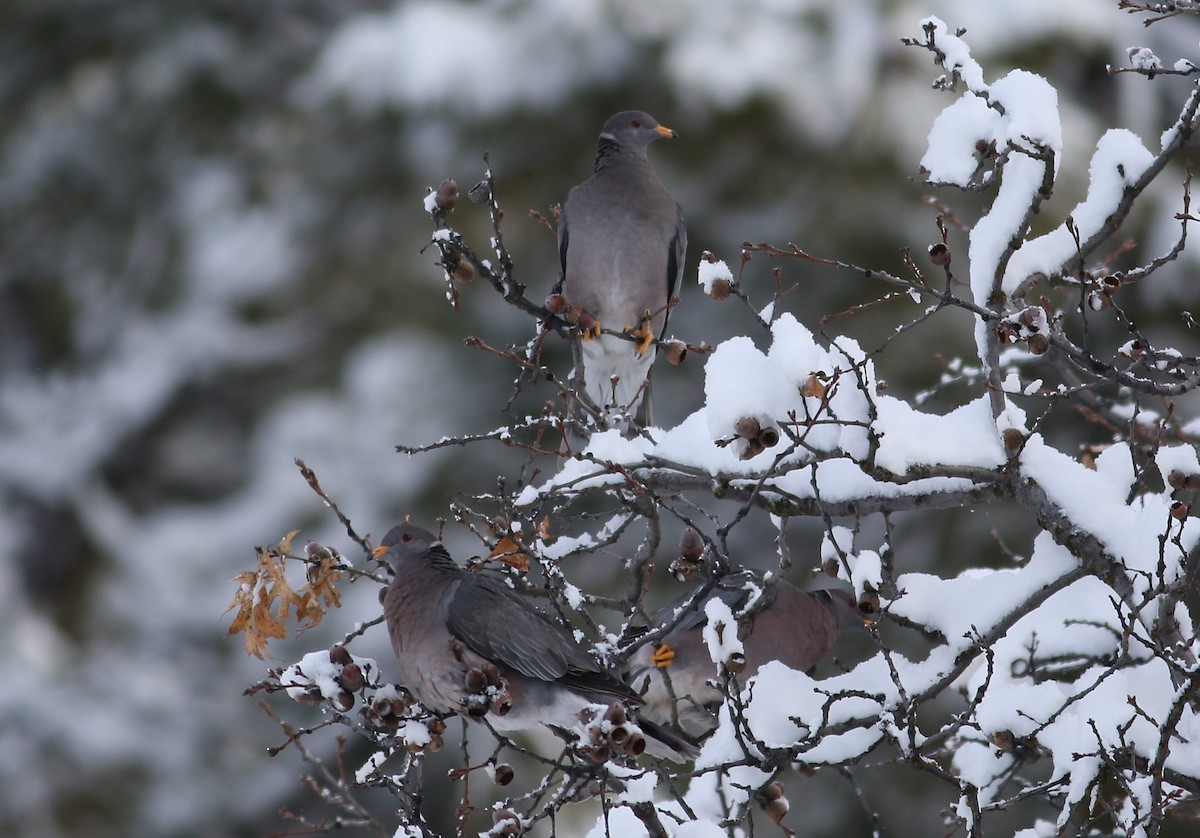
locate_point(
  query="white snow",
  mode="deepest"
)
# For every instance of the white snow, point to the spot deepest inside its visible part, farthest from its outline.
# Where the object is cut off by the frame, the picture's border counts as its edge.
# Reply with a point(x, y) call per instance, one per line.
point(1143, 58)
point(1181, 458)
point(314, 669)
point(370, 767)
point(414, 733)
point(709, 272)
point(951, 157)
point(1119, 160)
point(720, 631)
point(1095, 501)
point(866, 571)
point(966, 436)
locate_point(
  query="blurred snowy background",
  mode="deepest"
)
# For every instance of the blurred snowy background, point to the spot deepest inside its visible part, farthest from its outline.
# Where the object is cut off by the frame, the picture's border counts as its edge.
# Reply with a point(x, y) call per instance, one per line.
point(210, 264)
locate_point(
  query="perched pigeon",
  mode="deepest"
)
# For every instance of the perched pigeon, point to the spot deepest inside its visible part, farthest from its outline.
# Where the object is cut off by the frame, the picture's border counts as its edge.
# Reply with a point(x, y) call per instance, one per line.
point(797, 628)
point(622, 242)
point(467, 643)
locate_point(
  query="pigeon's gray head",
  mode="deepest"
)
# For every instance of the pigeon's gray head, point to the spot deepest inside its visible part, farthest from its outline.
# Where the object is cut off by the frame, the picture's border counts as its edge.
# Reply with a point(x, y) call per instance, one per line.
point(846, 609)
point(632, 130)
point(404, 541)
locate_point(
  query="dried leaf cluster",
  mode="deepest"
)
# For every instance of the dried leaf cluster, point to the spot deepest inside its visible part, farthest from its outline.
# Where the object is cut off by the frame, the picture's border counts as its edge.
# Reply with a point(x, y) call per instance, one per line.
point(264, 596)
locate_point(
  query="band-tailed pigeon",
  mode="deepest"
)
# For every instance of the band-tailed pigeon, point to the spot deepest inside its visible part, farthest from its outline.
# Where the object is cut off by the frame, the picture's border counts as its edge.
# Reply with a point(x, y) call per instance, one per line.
point(622, 241)
point(467, 643)
point(797, 628)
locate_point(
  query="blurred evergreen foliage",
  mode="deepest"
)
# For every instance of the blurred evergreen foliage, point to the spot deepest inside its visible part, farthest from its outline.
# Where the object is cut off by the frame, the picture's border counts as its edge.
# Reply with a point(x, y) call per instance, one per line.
point(168, 165)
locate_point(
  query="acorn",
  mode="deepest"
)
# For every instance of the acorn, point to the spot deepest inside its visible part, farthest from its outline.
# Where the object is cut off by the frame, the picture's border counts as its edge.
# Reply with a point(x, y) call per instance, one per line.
point(1039, 344)
point(618, 736)
point(503, 774)
point(585, 321)
point(777, 809)
point(676, 351)
point(344, 701)
point(492, 674)
point(316, 550)
point(463, 271)
point(772, 791)
point(1180, 510)
point(382, 708)
point(340, 655)
point(691, 544)
point(615, 714)
point(476, 707)
point(556, 304)
point(1031, 318)
point(753, 449)
point(446, 196)
point(1006, 332)
point(736, 663)
point(636, 744)
point(768, 437)
point(1192, 483)
point(939, 254)
point(1002, 740)
point(1176, 479)
point(720, 289)
point(436, 726)
point(435, 743)
point(1110, 284)
point(868, 603)
point(1013, 440)
point(1135, 350)
point(1097, 301)
point(747, 427)
point(475, 680)
point(352, 678)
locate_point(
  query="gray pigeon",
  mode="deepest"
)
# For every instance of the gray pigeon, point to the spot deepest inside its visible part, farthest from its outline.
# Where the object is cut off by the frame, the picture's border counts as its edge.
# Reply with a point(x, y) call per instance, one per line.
point(622, 241)
point(797, 628)
point(467, 643)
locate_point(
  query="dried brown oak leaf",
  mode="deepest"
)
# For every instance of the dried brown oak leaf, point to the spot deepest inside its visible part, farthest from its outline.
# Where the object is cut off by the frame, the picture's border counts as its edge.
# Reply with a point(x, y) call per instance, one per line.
point(264, 597)
point(509, 552)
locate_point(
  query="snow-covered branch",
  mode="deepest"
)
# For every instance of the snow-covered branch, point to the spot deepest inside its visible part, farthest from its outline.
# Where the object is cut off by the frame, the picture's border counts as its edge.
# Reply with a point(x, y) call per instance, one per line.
point(1063, 674)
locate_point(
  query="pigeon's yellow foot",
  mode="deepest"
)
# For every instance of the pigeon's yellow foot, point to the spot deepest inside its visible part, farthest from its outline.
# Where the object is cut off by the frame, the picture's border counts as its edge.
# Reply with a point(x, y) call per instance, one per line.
point(645, 338)
point(590, 331)
point(663, 656)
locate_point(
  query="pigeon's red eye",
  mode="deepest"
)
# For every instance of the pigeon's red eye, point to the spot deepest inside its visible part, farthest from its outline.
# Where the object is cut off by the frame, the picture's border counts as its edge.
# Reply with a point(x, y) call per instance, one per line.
point(406, 537)
point(637, 123)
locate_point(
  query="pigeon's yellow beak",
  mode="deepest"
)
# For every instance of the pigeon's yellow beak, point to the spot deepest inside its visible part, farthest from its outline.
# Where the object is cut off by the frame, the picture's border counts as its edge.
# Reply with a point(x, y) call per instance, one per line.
point(666, 132)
